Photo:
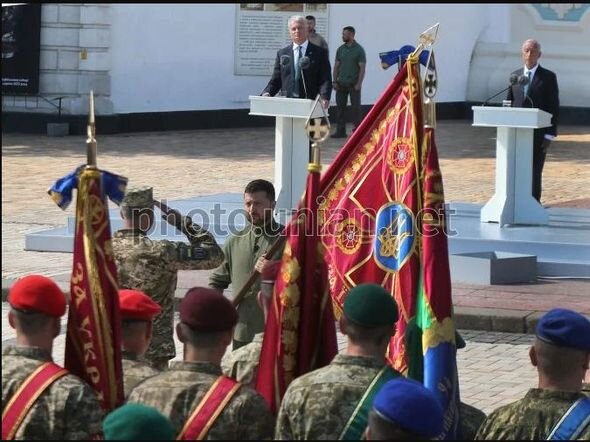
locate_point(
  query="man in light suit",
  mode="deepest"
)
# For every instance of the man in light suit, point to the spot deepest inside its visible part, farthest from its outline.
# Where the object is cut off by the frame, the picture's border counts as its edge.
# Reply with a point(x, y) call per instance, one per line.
point(540, 92)
point(302, 69)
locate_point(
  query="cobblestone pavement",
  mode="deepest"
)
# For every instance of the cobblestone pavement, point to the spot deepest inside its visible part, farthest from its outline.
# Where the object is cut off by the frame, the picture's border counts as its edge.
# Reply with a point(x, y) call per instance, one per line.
point(494, 368)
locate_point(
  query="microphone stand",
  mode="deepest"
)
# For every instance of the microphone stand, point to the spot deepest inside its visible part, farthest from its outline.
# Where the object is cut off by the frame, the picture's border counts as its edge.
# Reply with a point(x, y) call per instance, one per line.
point(495, 95)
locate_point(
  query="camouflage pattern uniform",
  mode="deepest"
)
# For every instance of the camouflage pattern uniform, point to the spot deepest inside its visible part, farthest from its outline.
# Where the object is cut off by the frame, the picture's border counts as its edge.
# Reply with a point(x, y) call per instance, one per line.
point(135, 370)
point(471, 420)
point(177, 392)
point(67, 410)
point(241, 251)
point(241, 364)
point(530, 418)
point(152, 266)
point(318, 404)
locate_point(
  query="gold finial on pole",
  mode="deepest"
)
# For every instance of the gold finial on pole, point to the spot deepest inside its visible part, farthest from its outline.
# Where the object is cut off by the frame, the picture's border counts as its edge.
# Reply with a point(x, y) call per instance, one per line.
point(426, 39)
point(318, 131)
point(91, 135)
point(430, 80)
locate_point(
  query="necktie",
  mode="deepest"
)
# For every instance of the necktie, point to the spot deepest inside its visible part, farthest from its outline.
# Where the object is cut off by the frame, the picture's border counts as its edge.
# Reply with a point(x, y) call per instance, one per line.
point(297, 71)
point(526, 86)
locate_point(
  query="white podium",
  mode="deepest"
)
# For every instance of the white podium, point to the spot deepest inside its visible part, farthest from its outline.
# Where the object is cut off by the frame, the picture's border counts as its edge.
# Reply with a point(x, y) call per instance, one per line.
point(291, 144)
point(513, 202)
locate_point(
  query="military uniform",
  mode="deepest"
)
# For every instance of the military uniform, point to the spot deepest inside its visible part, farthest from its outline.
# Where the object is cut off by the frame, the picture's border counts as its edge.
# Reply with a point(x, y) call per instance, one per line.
point(471, 420)
point(530, 418)
point(540, 411)
point(177, 391)
point(67, 410)
point(241, 251)
point(152, 266)
point(318, 404)
point(135, 371)
point(241, 364)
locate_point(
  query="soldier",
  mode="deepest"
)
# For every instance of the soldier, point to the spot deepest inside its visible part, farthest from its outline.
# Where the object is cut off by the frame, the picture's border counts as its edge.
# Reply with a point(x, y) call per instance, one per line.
point(137, 422)
point(152, 266)
point(241, 364)
point(557, 409)
point(246, 251)
point(333, 402)
point(404, 409)
point(198, 399)
point(137, 314)
point(63, 406)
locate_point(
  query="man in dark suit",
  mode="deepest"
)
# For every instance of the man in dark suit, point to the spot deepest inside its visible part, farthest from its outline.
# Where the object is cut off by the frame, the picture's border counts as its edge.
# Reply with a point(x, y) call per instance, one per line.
point(540, 92)
point(302, 69)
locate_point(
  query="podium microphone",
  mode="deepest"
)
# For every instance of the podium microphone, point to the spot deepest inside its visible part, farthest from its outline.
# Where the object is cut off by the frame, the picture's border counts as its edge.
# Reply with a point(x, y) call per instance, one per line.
point(512, 81)
point(303, 65)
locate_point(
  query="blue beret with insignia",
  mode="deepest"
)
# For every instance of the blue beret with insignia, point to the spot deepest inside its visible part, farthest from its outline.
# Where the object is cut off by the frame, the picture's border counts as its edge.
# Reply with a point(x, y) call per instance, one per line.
point(564, 328)
point(411, 406)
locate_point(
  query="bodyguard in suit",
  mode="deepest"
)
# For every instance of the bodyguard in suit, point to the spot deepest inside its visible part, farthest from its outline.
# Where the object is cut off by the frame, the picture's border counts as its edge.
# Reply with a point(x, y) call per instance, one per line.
point(540, 92)
point(302, 69)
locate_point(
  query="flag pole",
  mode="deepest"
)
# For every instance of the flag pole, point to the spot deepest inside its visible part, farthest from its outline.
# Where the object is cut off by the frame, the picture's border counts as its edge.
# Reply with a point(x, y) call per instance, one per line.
point(91, 135)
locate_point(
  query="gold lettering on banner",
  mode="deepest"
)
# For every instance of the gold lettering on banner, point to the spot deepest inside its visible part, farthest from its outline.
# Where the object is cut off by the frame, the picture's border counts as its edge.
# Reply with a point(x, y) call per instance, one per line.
point(79, 275)
point(79, 295)
point(89, 352)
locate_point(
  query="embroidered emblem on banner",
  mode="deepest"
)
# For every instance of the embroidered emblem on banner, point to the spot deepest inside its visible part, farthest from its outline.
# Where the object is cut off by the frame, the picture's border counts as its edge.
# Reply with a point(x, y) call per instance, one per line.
point(395, 238)
point(348, 236)
point(400, 156)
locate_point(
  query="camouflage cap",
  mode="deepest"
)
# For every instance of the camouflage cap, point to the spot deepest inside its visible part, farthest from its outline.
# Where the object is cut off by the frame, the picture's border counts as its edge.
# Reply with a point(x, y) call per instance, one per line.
point(139, 197)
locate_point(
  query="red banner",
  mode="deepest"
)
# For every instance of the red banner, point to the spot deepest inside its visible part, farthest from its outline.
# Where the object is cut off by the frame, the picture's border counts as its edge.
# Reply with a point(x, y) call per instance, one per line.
point(93, 341)
point(300, 333)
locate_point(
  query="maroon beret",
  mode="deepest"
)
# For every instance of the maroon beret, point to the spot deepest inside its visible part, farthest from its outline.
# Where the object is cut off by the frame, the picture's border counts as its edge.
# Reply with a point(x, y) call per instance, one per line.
point(37, 293)
point(270, 272)
point(135, 304)
point(205, 309)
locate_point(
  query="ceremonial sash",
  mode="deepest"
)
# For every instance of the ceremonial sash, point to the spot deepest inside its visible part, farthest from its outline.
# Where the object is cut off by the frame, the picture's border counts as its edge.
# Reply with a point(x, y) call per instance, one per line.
point(573, 422)
point(198, 424)
point(357, 423)
point(26, 395)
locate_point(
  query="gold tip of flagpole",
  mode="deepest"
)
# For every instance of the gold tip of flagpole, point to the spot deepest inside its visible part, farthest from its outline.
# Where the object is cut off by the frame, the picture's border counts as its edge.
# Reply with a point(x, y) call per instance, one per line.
point(91, 135)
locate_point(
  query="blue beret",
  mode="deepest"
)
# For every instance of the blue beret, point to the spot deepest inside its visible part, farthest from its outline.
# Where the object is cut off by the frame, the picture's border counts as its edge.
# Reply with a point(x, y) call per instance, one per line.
point(370, 305)
point(564, 328)
point(137, 422)
point(410, 405)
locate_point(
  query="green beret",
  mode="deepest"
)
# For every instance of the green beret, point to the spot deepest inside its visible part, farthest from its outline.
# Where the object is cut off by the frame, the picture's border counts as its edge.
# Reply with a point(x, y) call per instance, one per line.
point(139, 198)
point(137, 422)
point(370, 305)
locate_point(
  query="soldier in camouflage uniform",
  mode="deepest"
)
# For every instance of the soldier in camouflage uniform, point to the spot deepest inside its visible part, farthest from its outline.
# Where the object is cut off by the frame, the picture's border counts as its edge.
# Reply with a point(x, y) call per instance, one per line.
point(152, 266)
point(206, 326)
point(66, 410)
point(244, 252)
point(561, 354)
point(241, 364)
point(319, 404)
point(137, 314)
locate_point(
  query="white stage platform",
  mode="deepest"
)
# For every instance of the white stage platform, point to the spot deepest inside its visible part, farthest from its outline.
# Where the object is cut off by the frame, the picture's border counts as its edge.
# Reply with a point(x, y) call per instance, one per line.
point(562, 247)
